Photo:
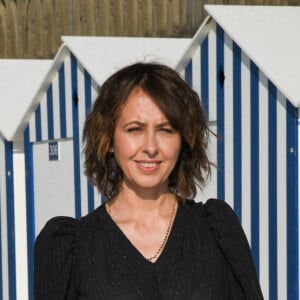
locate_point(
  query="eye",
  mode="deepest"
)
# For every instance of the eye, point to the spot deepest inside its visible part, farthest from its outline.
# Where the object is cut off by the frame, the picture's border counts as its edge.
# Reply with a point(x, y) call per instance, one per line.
point(167, 130)
point(134, 129)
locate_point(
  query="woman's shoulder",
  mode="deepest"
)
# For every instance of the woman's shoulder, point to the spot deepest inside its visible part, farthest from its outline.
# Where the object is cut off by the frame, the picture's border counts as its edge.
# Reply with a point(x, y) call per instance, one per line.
point(215, 210)
point(213, 204)
point(55, 253)
point(64, 227)
point(218, 211)
point(229, 236)
point(222, 222)
point(219, 216)
point(58, 229)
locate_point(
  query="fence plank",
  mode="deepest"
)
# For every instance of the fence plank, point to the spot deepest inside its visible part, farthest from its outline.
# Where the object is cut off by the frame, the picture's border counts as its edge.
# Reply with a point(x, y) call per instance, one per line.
point(103, 18)
point(12, 28)
point(3, 31)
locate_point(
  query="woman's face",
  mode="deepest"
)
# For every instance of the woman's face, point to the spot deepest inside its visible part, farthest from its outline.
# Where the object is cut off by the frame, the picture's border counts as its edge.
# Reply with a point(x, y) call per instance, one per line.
point(145, 145)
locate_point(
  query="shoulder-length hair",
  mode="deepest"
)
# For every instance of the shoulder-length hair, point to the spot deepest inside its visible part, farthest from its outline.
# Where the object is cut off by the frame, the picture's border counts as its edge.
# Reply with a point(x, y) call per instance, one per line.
point(178, 102)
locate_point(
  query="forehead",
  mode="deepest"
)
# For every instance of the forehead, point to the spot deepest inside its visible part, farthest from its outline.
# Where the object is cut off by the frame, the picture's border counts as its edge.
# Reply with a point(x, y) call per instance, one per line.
point(140, 105)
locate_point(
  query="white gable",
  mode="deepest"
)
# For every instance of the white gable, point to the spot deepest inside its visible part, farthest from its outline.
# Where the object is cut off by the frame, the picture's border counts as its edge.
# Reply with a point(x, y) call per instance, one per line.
point(19, 82)
point(102, 56)
point(269, 35)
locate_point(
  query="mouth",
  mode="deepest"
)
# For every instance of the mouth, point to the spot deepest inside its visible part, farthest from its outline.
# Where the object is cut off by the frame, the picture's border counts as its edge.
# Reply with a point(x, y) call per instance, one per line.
point(148, 165)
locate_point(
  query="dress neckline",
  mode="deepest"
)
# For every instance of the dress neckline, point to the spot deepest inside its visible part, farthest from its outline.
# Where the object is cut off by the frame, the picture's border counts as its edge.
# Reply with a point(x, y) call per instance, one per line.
point(130, 251)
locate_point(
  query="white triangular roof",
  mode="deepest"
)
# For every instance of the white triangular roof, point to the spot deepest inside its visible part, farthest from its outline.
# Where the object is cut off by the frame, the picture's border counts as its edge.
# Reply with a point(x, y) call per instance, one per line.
point(269, 35)
point(23, 82)
point(102, 56)
point(19, 82)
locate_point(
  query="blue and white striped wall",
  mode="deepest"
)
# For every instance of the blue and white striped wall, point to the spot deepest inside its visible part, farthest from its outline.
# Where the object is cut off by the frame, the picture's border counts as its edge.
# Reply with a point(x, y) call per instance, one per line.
point(59, 117)
point(13, 262)
point(257, 156)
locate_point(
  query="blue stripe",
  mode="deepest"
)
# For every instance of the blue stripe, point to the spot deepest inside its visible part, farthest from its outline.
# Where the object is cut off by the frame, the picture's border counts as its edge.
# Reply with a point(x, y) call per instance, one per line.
point(273, 278)
point(88, 106)
point(50, 113)
point(76, 140)
point(62, 102)
point(10, 219)
point(220, 114)
point(292, 202)
point(205, 76)
point(254, 96)
point(188, 74)
point(38, 124)
point(29, 207)
point(237, 130)
point(88, 92)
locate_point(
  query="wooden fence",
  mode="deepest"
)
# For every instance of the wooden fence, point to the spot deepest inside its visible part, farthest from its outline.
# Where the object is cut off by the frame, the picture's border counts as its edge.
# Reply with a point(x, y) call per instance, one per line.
point(32, 28)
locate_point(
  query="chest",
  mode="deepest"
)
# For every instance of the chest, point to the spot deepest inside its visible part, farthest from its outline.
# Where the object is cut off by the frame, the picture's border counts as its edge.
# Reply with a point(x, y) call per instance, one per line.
point(191, 266)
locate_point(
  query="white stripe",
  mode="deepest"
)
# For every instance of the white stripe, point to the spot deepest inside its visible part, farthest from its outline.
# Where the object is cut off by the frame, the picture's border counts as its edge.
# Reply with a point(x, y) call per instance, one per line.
point(211, 190)
point(199, 80)
point(20, 223)
point(81, 119)
point(44, 117)
point(228, 121)
point(97, 198)
point(32, 136)
point(95, 88)
point(56, 108)
point(263, 186)
point(212, 73)
point(246, 146)
point(281, 198)
point(94, 91)
point(69, 100)
point(183, 73)
point(196, 71)
point(3, 221)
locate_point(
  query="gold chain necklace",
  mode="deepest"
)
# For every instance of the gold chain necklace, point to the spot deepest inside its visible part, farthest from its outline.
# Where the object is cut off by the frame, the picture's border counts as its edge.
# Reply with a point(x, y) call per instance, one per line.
point(153, 258)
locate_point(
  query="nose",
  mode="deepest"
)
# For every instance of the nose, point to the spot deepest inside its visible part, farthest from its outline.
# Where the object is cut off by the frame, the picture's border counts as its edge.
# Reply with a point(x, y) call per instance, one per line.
point(150, 145)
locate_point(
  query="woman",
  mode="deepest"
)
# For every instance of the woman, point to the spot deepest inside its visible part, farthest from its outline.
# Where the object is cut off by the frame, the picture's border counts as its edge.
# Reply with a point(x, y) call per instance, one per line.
point(145, 150)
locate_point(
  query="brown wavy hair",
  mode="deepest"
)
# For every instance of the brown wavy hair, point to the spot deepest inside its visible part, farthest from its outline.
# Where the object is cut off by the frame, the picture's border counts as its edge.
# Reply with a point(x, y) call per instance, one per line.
point(179, 103)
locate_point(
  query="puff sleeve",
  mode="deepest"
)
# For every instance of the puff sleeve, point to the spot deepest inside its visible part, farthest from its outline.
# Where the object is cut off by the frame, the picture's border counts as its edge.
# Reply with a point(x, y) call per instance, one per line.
point(233, 243)
point(54, 255)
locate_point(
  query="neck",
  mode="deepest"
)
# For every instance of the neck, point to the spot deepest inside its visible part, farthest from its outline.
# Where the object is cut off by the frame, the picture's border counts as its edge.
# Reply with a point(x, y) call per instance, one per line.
point(144, 193)
point(129, 204)
point(133, 200)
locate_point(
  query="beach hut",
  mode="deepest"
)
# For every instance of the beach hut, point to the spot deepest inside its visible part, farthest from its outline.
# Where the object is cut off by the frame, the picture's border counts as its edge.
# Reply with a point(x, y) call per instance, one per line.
point(55, 183)
point(244, 62)
point(19, 82)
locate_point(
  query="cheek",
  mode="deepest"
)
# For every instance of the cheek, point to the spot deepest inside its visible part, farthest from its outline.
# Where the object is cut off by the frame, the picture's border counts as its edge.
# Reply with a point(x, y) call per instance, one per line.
point(125, 147)
point(171, 149)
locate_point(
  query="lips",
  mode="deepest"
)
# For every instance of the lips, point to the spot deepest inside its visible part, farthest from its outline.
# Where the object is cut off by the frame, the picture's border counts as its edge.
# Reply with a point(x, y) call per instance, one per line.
point(148, 165)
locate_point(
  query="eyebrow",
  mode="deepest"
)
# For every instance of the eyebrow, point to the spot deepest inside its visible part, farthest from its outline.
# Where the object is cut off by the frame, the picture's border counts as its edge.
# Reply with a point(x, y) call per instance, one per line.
point(164, 124)
point(144, 124)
